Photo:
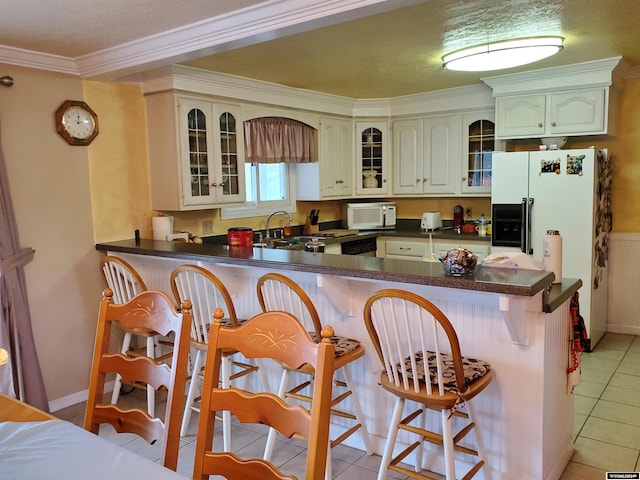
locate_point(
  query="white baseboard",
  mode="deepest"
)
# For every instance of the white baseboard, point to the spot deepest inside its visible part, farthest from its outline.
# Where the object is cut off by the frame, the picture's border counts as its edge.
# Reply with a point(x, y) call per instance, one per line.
point(74, 398)
point(623, 329)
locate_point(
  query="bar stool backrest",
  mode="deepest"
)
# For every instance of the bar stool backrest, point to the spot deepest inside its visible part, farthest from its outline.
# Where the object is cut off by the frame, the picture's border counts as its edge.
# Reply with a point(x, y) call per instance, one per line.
point(279, 292)
point(121, 278)
point(405, 328)
point(206, 292)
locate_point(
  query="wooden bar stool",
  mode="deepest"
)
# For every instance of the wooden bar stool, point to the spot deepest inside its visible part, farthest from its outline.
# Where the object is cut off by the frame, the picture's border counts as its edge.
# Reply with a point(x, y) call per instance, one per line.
point(125, 283)
point(207, 293)
point(277, 292)
point(150, 311)
point(277, 336)
point(414, 338)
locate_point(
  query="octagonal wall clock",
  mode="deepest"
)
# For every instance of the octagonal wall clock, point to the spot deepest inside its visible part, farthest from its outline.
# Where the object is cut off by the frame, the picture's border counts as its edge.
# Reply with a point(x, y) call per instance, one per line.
point(76, 122)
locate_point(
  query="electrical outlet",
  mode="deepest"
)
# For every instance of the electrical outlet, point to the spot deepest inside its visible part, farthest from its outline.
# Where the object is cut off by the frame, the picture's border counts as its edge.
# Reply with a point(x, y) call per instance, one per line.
point(207, 227)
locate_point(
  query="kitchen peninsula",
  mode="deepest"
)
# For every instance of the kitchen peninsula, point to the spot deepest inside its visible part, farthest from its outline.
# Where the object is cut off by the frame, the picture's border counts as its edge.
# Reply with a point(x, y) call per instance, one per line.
point(510, 318)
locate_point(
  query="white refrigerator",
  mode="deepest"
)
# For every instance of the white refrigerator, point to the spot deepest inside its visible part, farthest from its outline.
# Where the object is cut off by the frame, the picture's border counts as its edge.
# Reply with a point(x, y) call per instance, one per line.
point(564, 190)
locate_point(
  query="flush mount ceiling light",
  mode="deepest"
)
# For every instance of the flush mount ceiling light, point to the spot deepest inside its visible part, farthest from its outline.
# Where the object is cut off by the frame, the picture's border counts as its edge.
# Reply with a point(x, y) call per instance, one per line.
point(504, 54)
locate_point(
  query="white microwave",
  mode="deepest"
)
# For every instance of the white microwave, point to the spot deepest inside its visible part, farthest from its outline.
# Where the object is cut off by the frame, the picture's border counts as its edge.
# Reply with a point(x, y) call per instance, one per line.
point(369, 216)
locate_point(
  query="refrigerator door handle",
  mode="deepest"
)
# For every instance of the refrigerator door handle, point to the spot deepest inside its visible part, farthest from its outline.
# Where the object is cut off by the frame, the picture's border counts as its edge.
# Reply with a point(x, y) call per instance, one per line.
point(529, 224)
point(523, 229)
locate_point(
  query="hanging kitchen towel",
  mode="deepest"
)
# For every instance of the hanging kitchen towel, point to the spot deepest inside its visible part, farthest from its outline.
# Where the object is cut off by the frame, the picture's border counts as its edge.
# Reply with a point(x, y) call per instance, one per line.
point(578, 343)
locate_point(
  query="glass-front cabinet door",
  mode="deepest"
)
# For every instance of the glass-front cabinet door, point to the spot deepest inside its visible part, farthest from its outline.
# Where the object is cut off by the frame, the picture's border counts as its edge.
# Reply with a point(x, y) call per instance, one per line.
point(231, 184)
point(372, 158)
point(196, 126)
point(479, 145)
point(212, 170)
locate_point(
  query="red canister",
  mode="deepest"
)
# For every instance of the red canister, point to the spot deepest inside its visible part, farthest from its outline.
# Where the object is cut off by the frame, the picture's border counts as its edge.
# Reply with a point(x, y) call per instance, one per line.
point(240, 237)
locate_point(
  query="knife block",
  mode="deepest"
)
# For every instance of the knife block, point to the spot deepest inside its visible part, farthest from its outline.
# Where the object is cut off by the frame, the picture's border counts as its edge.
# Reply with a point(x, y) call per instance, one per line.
point(309, 229)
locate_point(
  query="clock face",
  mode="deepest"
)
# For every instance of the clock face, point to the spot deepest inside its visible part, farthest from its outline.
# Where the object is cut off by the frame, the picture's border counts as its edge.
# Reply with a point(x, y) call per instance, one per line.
point(76, 122)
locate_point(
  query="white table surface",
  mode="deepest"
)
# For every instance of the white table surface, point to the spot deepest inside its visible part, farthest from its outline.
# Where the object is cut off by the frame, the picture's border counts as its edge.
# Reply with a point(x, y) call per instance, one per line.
point(59, 450)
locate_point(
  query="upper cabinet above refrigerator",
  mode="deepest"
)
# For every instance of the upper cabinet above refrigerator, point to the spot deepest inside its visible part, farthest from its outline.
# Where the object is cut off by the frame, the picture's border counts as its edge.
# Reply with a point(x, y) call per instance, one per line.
point(578, 112)
point(574, 100)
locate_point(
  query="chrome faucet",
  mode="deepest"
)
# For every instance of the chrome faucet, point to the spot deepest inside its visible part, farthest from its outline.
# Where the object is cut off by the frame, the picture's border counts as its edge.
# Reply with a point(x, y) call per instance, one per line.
point(269, 220)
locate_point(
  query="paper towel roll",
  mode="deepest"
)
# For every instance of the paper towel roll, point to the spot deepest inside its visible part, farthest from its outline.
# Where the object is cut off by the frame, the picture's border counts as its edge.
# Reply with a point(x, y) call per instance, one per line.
point(162, 226)
point(553, 254)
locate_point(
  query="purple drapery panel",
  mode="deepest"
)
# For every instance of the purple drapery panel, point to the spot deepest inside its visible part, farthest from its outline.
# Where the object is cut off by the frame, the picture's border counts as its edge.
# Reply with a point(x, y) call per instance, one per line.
point(15, 318)
point(279, 140)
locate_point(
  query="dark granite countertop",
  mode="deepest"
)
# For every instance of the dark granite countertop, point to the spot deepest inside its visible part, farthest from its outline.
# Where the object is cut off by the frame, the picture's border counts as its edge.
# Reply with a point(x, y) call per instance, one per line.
point(485, 279)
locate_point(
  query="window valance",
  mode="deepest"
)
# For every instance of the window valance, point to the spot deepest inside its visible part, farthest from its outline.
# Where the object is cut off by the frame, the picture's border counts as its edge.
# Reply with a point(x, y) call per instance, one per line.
point(279, 140)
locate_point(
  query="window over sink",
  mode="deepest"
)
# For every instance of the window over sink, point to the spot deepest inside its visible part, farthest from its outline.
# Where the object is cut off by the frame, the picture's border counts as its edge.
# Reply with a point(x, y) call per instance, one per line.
point(269, 187)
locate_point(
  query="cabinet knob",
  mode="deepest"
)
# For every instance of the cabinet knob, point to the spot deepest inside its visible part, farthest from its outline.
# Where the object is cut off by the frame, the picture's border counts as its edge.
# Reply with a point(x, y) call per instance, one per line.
point(464, 179)
point(540, 125)
point(214, 184)
point(417, 180)
point(384, 180)
point(553, 124)
point(424, 180)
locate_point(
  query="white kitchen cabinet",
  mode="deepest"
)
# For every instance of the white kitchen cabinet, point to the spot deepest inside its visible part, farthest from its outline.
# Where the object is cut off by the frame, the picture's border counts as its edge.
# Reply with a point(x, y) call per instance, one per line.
point(196, 153)
point(426, 250)
point(574, 112)
point(478, 143)
point(426, 156)
point(372, 159)
point(406, 249)
point(332, 175)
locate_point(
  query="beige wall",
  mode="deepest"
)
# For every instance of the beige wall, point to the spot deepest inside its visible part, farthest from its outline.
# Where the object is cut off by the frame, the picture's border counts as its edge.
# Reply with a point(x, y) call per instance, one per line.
point(49, 183)
point(67, 198)
point(118, 166)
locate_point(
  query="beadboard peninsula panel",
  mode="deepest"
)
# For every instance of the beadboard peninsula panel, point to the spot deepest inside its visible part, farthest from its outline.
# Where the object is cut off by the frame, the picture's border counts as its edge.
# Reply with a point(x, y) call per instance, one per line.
point(526, 414)
point(624, 280)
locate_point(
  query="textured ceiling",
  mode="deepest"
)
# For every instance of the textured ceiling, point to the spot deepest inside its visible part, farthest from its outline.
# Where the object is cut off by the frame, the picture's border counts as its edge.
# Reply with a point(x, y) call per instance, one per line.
point(380, 55)
point(399, 52)
point(73, 28)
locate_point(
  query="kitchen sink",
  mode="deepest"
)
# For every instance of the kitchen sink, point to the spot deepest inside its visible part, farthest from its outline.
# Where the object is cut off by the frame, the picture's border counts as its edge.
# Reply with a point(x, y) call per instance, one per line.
point(281, 243)
point(292, 243)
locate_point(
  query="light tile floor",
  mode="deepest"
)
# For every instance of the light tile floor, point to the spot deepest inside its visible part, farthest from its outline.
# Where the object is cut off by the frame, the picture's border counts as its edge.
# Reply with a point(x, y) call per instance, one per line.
point(607, 410)
point(606, 424)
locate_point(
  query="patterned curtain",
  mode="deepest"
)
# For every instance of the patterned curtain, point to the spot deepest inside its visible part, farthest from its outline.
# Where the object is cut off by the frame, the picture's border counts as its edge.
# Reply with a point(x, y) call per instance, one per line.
point(21, 377)
point(279, 140)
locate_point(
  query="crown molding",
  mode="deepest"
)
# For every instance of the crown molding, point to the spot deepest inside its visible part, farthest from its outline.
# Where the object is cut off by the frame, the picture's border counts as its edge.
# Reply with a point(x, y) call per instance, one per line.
point(198, 81)
point(219, 85)
point(265, 21)
point(38, 60)
point(597, 73)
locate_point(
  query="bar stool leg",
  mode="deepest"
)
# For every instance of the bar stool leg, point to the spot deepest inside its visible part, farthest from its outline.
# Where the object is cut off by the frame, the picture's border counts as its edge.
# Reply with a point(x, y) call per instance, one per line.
point(357, 410)
point(420, 449)
point(482, 452)
point(117, 384)
point(271, 437)
point(226, 415)
point(447, 440)
point(191, 395)
point(151, 392)
point(391, 438)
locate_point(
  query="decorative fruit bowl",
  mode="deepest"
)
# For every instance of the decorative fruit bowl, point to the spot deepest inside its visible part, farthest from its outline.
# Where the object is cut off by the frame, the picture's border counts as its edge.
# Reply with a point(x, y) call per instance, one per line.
point(557, 141)
point(459, 261)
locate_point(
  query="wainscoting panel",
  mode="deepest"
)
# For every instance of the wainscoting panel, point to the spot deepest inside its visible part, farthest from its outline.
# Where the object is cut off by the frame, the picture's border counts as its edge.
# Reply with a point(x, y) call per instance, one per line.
point(624, 283)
